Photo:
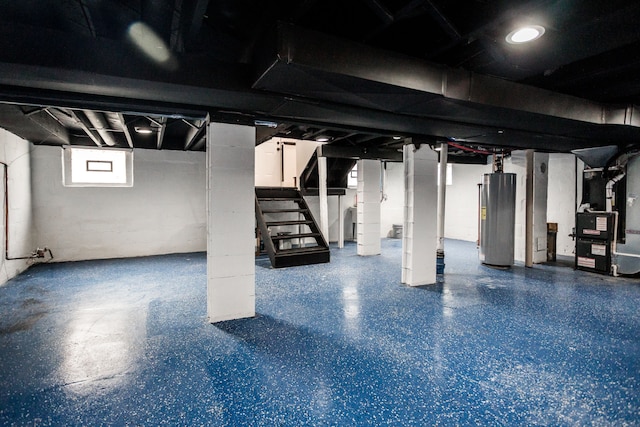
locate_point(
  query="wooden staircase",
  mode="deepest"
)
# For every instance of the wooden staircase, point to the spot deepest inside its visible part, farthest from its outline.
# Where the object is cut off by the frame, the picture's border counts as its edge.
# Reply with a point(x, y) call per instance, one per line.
point(290, 234)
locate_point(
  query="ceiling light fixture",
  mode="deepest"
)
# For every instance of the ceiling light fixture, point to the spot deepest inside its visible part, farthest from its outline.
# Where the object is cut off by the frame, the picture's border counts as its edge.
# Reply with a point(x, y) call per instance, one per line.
point(323, 138)
point(397, 138)
point(266, 123)
point(525, 34)
point(142, 129)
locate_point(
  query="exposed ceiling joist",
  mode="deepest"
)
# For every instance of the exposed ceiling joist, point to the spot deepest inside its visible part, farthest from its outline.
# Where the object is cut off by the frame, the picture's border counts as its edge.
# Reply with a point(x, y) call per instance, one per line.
point(302, 9)
point(192, 15)
point(589, 50)
point(160, 132)
point(85, 125)
point(159, 16)
point(87, 17)
point(441, 19)
point(125, 129)
point(199, 144)
point(193, 135)
point(380, 10)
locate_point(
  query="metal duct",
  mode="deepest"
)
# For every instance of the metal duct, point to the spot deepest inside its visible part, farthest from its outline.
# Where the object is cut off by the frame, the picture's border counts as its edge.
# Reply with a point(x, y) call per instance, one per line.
point(99, 122)
point(318, 66)
point(596, 157)
point(331, 58)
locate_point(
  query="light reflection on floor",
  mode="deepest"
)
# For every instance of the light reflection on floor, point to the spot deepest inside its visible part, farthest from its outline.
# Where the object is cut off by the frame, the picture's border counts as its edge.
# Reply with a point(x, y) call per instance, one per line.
point(103, 344)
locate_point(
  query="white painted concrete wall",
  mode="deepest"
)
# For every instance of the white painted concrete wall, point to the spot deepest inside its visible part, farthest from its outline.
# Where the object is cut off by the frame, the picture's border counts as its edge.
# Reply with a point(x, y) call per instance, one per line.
point(164, 211)
point(268, 164)
point(561, 205)
point(348, 201)
point(14, 151)
point(461, 220)
point(391, 208)
point(517, 164)
point(268, 160)
point(461, 213)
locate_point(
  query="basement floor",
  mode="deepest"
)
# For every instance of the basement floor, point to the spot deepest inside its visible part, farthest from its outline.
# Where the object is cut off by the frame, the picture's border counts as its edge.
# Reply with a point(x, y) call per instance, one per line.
point(126, 342)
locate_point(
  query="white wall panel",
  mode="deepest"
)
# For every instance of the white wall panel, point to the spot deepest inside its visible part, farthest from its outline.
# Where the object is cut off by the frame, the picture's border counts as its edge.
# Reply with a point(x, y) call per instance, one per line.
point(164, 211)
point(15, 152)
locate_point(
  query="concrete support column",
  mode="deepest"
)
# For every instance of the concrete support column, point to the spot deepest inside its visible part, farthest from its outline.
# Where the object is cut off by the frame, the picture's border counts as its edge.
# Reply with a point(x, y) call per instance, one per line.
point(230, 222)
point(323, 196)
point(420, 214)
point(368, 207)
point(536, 208)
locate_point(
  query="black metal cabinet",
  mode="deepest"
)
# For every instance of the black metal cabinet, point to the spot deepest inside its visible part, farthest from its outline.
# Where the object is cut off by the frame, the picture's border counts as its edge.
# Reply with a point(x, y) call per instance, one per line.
point(595, 233)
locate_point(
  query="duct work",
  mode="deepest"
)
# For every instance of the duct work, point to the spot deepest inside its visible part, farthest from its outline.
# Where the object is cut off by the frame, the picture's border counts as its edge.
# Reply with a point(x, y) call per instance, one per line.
point(458, 104)
point(597, 157)
point(99, 123)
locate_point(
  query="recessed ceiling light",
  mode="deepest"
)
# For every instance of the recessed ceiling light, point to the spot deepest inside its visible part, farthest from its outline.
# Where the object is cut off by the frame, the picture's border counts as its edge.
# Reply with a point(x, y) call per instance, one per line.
point(397, 137)
point(323, 138)
point(525, 34)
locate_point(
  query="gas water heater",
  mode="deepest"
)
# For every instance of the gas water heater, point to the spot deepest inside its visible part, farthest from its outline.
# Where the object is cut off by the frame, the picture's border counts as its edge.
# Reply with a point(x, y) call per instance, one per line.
point(497, 219)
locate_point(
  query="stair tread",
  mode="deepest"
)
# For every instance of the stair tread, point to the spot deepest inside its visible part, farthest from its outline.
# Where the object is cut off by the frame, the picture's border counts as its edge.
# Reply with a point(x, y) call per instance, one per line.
point(279, 199)
point(295, 236)
point(292, 256)
point(264, 211)
point(304, 250)
point(289, 222)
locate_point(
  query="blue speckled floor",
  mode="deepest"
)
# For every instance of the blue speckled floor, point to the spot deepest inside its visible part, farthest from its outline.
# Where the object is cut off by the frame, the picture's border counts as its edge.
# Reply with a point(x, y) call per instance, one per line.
point(126, 342)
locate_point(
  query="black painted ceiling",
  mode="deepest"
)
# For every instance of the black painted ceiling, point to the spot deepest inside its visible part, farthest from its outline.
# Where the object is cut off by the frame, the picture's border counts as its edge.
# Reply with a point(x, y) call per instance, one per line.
point(60, 58)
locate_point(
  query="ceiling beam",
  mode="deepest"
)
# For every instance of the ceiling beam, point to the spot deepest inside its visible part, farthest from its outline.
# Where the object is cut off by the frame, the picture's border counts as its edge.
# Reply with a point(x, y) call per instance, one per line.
point(125, 129)
point(373, 153)
point(441, 19)
point(87, 17)
point(159, 15)
point(408, 11)
point(313, 134)
point(199, 144)
point(302, 10)
point(110, 77)
point(191, 18)
point(161, 131)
